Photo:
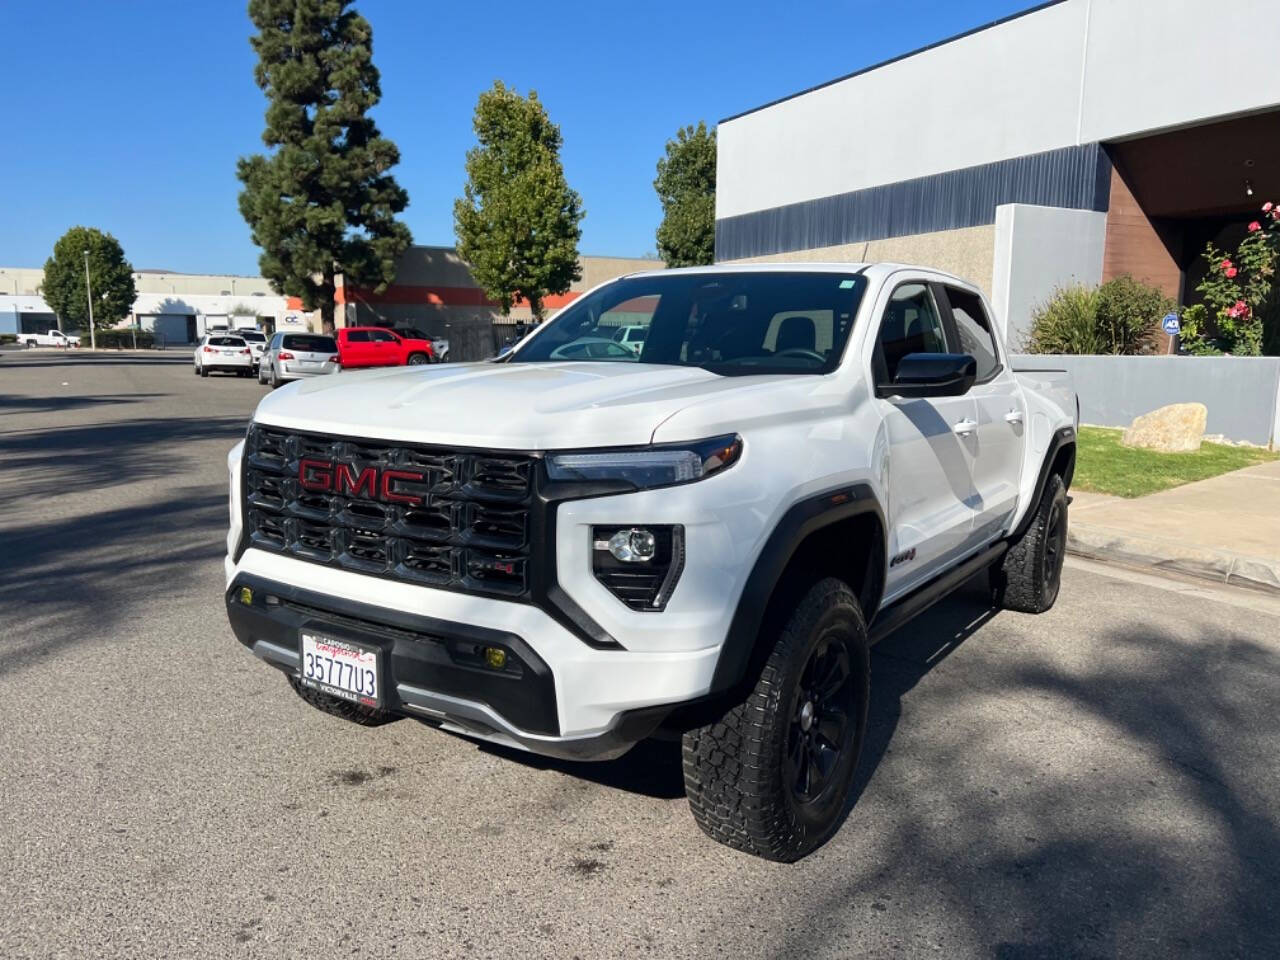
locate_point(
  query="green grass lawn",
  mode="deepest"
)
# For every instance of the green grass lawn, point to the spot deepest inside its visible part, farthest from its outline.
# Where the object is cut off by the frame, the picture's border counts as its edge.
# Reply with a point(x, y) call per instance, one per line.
point(1104, 466)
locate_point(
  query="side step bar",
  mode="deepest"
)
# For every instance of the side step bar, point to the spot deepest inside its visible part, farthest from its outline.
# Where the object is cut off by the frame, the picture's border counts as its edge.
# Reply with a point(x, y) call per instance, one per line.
point(918, 601)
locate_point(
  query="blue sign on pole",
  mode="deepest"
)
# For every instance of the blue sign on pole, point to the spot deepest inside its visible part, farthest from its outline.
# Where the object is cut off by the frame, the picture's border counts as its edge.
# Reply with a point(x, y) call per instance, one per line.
point(1170, 324)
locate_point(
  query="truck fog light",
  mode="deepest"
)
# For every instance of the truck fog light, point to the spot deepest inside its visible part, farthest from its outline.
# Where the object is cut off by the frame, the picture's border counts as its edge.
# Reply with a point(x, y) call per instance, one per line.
point(246, 596)
point(495, 657)
point(633, 546)
point(639, 565)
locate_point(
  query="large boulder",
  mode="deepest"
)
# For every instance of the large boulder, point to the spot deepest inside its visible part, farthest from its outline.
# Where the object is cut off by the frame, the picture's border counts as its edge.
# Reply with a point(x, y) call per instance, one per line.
point(1177, 428)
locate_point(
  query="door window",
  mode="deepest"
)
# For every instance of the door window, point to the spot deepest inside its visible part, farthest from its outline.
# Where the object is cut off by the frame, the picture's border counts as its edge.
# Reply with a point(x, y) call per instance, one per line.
point(974, 330)
point(912, 324)
point(357, 336)
point(382, 336)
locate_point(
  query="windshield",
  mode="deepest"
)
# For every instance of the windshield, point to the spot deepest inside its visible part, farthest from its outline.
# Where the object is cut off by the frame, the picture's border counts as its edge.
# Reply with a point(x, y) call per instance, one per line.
point(731, 323)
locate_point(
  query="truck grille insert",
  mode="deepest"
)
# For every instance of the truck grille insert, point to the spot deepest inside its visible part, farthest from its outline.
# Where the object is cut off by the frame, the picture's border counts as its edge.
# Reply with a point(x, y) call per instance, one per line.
point(452, 519)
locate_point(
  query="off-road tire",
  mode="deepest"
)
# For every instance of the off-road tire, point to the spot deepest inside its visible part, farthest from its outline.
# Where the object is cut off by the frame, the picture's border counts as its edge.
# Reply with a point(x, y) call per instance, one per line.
point(343, 709)
point(738, 771)
point(1029, 575)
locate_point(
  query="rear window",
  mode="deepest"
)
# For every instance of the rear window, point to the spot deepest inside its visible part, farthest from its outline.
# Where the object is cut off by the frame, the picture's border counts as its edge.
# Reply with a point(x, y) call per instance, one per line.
point(255, 336)
point(226, 341)
point(309, 344)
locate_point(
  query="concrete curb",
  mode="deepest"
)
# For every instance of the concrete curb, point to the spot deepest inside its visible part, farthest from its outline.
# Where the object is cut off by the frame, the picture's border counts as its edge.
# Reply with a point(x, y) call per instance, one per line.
point(1221, 566)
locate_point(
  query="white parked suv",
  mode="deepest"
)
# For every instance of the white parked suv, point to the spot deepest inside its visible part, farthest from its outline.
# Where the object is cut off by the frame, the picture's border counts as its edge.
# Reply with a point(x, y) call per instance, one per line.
point(701, 539)
point(229, 353)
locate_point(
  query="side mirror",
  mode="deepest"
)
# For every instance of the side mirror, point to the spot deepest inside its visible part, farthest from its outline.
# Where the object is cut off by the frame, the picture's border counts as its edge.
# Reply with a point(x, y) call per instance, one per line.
point(932, 375)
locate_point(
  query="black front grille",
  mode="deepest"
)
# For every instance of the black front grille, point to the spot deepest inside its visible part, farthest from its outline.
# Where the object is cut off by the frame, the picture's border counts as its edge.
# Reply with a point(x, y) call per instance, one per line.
point(453, 519)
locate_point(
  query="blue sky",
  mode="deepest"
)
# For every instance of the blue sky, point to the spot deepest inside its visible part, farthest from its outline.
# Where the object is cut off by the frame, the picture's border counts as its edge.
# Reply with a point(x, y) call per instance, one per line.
point(130, 116)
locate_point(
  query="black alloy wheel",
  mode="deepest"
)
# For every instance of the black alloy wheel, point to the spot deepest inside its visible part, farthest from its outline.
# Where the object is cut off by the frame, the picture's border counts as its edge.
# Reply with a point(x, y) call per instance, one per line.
point(824, 702)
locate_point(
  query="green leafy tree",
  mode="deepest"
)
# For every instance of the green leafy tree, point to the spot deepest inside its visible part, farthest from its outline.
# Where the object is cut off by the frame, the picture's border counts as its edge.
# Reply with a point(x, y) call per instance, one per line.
point(110, 275)
point(686, 186)
point(518, 221)
point(1238, 294)
point(322, 202)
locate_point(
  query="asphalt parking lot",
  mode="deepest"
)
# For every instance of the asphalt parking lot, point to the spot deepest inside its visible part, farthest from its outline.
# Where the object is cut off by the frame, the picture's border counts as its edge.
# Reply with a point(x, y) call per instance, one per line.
point(1100, 781)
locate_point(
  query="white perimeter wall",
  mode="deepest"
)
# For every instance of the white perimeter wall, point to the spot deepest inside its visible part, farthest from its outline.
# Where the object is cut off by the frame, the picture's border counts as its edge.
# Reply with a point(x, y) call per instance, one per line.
point(1077, 72)
point(1038, 249)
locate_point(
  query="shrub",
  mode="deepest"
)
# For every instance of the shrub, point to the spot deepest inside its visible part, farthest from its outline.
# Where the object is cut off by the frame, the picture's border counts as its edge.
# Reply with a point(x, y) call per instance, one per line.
point(1119, 317)
point(120, 339)
point(8, 338)
point(1238, 312)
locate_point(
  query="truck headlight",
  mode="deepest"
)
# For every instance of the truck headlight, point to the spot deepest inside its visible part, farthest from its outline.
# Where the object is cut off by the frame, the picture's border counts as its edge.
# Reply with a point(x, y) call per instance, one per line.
point(648, 467)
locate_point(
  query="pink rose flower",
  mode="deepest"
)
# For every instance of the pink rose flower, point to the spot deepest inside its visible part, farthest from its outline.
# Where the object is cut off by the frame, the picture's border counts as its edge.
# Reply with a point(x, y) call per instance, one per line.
point(1227, 265)
point(1255, 227)
point(1231, 273)
point(1240, 309)
point(1266, 207)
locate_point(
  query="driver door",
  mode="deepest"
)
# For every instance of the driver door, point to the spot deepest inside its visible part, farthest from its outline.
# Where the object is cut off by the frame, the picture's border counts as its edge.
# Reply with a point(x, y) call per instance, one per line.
point(932, 444)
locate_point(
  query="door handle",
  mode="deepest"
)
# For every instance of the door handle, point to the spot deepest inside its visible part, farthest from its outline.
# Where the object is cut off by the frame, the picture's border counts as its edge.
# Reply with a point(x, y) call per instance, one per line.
point(964, 427)
point(1013, 416)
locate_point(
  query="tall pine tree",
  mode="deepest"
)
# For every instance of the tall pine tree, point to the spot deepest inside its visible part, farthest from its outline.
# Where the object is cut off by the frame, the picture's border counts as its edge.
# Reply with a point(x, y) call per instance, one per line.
point(518, 221)
point(322, 202)
point(686, 186)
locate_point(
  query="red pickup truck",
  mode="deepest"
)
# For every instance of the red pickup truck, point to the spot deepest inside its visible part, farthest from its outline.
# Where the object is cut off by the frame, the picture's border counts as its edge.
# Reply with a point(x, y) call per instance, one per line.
point(379, 347)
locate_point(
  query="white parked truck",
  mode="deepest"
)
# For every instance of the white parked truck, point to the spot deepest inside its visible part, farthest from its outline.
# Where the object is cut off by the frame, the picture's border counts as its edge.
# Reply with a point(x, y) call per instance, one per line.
point(701, 538)
point(54, 338)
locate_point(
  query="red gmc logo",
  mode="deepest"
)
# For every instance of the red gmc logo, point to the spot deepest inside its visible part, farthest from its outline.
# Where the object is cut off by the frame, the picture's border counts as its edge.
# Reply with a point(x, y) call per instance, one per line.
point(328, 476)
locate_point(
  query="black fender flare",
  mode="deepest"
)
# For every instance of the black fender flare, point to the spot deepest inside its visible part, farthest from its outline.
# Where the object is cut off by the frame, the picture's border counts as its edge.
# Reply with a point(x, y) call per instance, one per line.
point(1063, 439)
point(802, 519)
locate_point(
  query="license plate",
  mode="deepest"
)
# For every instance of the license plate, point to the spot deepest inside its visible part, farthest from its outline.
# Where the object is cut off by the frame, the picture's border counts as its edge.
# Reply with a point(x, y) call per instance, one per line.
point(341, 668)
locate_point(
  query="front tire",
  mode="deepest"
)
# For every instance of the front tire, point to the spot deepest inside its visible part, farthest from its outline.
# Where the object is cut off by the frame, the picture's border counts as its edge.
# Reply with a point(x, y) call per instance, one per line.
point(771, 777)
point(417, 359)
point(343, 709)
point(1028, 577)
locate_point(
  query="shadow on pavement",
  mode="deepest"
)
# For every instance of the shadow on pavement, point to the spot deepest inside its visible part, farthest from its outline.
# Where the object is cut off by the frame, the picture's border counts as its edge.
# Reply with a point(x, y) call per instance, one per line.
point(10, 403)
point(19, 358)
point(97, 456)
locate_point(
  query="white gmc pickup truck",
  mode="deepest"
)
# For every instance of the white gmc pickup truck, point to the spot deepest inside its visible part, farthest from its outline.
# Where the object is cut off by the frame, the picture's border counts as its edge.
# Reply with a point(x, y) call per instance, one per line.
point(582, 545)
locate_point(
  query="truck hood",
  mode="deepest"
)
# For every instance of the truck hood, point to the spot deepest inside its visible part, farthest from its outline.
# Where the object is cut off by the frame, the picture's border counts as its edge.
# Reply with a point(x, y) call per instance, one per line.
point(527, 406)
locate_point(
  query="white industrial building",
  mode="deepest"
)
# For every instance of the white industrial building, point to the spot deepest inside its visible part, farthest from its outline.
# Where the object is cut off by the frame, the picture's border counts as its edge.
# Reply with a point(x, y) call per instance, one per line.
point(177, 307)
point(1077, 141)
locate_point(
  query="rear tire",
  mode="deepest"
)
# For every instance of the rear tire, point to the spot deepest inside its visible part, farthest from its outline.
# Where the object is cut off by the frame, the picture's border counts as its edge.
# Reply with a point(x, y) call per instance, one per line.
point(262, 375)
point(204, 371)
point(1028, 577)
point(771, 777)
point(275, 379)
point(343, 709)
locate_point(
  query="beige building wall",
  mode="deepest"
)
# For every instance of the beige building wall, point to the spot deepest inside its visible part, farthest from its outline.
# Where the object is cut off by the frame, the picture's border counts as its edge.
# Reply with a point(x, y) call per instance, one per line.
point(969, 253)
point(28, 280)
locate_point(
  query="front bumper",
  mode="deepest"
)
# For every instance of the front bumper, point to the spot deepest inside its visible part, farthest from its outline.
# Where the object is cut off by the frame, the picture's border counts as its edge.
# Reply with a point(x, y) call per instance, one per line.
point(561, 698)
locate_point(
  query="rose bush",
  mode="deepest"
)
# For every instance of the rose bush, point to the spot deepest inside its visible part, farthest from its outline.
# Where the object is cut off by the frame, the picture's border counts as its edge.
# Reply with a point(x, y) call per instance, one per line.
point(1239, 312)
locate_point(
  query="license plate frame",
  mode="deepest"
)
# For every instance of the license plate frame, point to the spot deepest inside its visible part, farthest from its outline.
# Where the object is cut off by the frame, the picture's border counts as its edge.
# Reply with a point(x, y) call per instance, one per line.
point(325, 656)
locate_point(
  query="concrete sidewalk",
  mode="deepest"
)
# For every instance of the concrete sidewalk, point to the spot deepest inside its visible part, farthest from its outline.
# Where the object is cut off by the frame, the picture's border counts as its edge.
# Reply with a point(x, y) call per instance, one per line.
point(1225, 529)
